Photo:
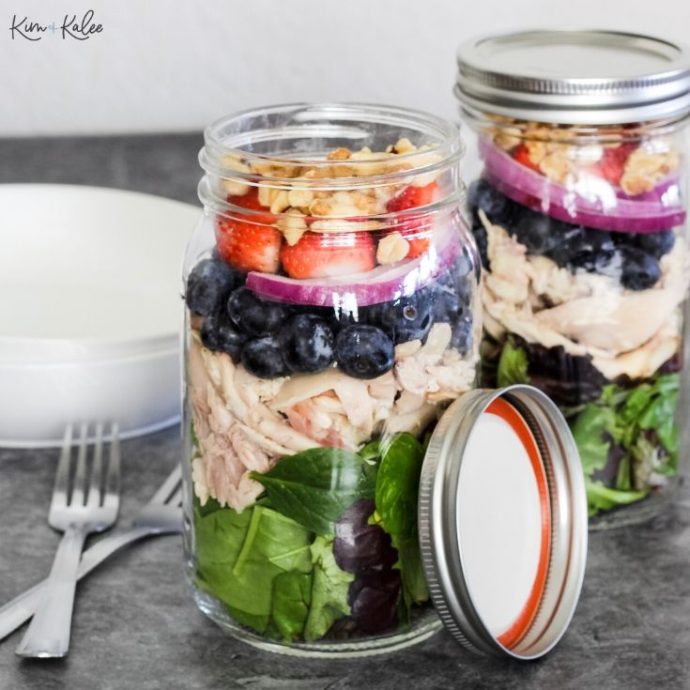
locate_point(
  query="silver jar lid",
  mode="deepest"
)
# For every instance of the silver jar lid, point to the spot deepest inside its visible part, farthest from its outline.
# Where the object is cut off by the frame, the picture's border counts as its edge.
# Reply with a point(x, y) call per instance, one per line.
point(503, 522)
point(575, 77)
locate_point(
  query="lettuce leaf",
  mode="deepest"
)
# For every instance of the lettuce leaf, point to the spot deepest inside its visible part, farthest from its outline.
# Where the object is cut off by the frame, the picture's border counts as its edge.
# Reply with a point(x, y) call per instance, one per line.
point(637, 424)
point(593, 430)
point(329, 591)
point(512, 366)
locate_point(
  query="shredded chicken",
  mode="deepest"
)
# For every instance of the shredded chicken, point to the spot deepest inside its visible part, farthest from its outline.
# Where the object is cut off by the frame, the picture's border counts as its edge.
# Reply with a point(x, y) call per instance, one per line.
point(433, 372)
point(586, 314)
point(335, 409)
point(235, 430)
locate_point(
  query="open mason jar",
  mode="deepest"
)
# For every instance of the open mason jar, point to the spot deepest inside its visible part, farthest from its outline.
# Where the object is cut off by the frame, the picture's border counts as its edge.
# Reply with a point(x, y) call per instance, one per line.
point(332, 318)
point(578, 205)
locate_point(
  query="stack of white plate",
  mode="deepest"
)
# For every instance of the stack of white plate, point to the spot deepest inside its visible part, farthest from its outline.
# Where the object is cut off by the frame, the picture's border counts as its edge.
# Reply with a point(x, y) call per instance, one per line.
point(90, 310)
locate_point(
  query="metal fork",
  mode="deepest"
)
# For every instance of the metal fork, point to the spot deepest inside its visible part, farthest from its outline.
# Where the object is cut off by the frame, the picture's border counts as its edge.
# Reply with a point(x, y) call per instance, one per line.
point(161, 515)
point(78, 508)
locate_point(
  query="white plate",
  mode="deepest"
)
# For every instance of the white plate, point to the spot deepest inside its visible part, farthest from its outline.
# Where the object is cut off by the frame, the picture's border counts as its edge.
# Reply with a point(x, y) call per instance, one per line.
point(90, 309)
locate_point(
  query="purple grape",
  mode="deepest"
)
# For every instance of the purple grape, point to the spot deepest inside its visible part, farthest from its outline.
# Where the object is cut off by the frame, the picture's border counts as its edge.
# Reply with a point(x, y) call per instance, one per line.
point(361, 548)
point(374, 601)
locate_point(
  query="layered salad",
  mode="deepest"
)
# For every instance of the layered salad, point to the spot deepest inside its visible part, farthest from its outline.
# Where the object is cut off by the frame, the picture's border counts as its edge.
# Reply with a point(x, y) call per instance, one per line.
point(328, 329)
point(586, 273)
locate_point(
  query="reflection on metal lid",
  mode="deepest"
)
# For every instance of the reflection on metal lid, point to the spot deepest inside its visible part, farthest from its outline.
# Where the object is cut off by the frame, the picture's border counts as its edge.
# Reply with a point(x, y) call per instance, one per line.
point(575, 77)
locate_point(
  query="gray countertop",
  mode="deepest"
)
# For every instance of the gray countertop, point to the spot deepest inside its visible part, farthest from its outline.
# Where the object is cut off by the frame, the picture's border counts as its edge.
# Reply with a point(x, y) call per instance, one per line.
point(136, 626)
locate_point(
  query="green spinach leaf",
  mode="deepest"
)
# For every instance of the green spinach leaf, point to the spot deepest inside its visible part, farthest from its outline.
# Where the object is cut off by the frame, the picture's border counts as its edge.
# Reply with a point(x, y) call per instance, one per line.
point(397, 490)
point(239, 555)
point(291, 601)
point(397, 484)
point(316, 486)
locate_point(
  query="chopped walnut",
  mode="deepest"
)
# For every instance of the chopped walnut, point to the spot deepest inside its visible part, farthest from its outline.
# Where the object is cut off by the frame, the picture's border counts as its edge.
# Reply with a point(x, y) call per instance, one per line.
point(230, 185)
point(644, 169)
point(280, 202)
point(340, 154)
point(403, 146)
point(266, 195)
point(392, 248)
point(234, 187)
point(300, 198)
point(293, 225)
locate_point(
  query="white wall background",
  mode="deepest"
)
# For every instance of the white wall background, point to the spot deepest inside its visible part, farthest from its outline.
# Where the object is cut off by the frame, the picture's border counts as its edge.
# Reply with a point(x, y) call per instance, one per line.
point(178, 64)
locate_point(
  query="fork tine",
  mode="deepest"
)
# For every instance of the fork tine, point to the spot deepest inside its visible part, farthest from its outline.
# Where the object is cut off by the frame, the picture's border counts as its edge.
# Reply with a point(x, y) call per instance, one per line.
point(79, 485)
point(112, 479)
point(168, 486)
point(93, 498)
point(62, 473)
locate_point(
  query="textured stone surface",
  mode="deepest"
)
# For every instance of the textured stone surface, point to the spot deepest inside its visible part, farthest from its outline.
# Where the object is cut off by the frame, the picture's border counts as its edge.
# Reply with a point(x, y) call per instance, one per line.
point(135, 625)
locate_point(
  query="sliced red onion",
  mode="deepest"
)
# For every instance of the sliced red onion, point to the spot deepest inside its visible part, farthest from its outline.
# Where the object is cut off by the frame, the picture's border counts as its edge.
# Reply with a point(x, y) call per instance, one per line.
point(383, 284)
point(592, 202)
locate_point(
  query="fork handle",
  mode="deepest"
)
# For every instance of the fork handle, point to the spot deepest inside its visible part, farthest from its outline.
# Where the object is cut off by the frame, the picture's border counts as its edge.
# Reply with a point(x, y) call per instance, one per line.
point(49, 632)
point(16, 612)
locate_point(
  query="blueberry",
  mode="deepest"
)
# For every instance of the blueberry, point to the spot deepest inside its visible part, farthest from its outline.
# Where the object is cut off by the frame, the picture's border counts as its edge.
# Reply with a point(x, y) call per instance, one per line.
point(307, 343)
point(499, 209)
point(220, 335)
point(540, 233)
point(461, 338)
point(482, 241)
point(593, 251)
point(459, 278)
point(569, 239)
point(254, 315)
point(209, 284)
point(408, 318)
point(639, 270)
point(263, 357)
point(657, 244)
point(446, 304)
point(364, 352)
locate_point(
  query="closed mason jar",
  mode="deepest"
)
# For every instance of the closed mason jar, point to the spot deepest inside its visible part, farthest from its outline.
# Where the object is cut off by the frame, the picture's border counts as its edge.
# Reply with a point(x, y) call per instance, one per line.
point(331, 316)
point(577, 201)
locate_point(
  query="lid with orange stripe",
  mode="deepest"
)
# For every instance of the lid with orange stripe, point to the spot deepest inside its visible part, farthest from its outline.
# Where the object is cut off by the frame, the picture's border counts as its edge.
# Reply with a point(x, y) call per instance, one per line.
point(503, 522)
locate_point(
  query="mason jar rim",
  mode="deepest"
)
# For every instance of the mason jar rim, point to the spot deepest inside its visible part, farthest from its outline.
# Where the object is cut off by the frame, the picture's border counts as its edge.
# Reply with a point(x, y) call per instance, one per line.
point(233, 136)
point(219, 142)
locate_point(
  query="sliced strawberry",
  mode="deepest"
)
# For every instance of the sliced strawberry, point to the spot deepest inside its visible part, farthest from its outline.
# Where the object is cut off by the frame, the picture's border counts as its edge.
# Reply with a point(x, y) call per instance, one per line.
point(248, 246)
point(412, 197)
point(612, 163)
point(521, 155)
point(319, 255)
point(416, 229)
point(248, 242)
point(250, 200)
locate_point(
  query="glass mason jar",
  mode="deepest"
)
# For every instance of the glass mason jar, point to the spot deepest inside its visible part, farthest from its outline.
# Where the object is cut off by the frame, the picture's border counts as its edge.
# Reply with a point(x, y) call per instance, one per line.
point(578, 205)
point(331, 293)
